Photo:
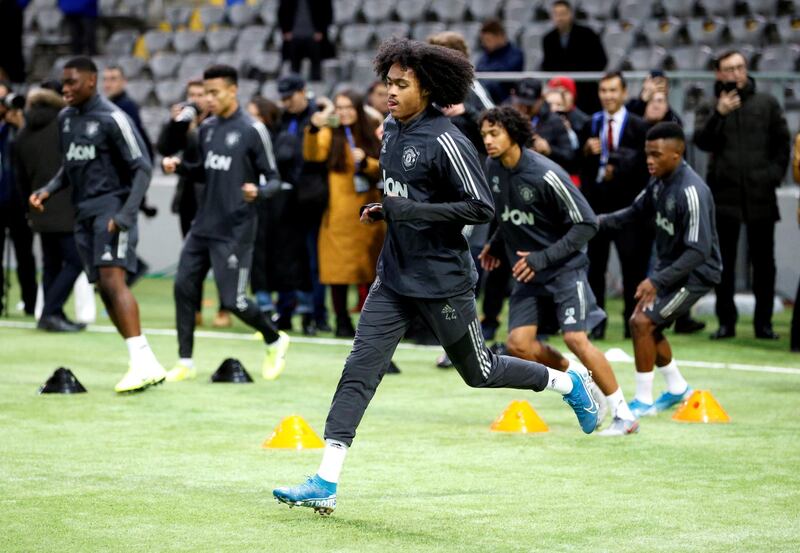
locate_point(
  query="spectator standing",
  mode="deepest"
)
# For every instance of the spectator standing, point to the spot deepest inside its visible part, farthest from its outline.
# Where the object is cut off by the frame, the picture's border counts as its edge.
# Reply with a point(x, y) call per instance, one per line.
point(11, 25)
point(613, 172)
point(37, 159)
point(577, 117)
point(653, 101)
point(81, 16)
point(746, 134)
point(114, 83)
point(12, 207)
point(304, 25)
point(499, 54)
point(344, 137)
point(570, 47)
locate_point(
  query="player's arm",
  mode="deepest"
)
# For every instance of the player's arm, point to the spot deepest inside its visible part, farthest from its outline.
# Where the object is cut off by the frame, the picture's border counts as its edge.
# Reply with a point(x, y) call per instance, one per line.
point(263, 159)
point(130, 146)
point(641, 207)
point(459, 165)
point(575, 209)
point(695, 227)
point(193, 170)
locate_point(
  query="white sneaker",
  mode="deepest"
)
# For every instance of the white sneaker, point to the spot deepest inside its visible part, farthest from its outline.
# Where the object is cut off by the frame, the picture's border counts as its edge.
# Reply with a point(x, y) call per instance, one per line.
point(140, 377)
point(275, 360)
point(602, 404)
point(620, 427)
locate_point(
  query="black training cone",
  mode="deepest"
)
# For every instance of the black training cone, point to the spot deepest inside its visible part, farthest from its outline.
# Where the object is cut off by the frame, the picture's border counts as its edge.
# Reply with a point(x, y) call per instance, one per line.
point(62, 382)
point(231, 370)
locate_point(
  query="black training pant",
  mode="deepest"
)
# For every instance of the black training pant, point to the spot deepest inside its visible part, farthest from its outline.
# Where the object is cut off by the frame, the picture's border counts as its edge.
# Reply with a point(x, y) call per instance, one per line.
point(761, 249)
point(230, 262)
point(384, 320)
point(61, 268)
point(12, 216)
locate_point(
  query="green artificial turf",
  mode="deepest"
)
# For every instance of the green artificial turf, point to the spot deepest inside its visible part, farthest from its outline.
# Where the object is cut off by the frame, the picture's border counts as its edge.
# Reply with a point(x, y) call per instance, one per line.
point(181, 467)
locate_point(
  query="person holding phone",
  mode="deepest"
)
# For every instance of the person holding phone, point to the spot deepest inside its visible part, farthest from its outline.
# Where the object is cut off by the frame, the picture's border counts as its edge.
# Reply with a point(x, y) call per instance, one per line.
point(343, 136)
point(746, 134)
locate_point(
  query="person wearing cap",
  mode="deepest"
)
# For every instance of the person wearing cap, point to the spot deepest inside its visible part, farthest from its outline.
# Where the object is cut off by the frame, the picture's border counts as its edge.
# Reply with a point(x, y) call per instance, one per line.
point(576, 116)
point(550, 136)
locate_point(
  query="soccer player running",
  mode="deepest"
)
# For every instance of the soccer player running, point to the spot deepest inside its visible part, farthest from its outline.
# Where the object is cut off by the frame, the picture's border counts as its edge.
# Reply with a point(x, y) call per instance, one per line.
point(544, 223)
point(689, 262)
point(433, 186)
point(106, 162)
point(234, 150)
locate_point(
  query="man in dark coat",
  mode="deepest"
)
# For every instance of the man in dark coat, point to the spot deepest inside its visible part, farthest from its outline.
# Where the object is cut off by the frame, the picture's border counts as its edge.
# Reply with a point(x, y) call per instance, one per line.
point(746, 134)
point(499, 54)
point(571, 47)
point(37, 158)
point(305, 33)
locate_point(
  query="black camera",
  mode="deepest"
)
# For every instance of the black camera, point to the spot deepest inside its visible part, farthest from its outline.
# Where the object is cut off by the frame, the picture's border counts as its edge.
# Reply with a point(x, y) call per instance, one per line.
point(188, 113)
point(13, 101)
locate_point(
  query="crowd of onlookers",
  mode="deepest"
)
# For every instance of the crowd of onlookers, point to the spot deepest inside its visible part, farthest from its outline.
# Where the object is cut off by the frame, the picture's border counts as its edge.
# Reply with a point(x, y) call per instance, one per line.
point(309, 236)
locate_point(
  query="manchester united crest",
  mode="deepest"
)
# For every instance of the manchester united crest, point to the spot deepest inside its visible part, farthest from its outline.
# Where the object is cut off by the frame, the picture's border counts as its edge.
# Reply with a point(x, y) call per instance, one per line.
point(410, 155)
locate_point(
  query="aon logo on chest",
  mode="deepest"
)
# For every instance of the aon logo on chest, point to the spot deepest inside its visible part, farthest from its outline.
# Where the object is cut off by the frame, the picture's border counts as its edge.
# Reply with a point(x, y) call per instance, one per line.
point(217, 162)
point(517, 217)
point(392, 187)
point(78, 152)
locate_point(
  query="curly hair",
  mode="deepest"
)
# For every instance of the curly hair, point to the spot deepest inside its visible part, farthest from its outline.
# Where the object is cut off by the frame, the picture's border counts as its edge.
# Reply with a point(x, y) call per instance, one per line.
point(446, 74)
point(517, 126)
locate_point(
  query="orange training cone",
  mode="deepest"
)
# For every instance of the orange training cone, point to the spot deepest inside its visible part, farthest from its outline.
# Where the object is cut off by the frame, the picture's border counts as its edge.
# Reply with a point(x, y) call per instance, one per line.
point(520, 417)
point(293, 433)
point(701, 407)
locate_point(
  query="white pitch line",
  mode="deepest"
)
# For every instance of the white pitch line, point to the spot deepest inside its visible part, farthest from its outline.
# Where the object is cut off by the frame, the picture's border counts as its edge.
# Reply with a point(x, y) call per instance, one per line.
point(217, 335)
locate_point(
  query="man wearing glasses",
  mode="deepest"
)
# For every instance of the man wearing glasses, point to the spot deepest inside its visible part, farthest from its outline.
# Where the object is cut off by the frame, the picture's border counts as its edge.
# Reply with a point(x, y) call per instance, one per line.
point(745, 132)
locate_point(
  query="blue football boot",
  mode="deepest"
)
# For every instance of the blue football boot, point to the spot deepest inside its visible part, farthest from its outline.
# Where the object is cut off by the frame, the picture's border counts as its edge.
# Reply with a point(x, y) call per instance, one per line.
point(581, 401)
point(315, 493)
point(641, 409)
point(667, 400)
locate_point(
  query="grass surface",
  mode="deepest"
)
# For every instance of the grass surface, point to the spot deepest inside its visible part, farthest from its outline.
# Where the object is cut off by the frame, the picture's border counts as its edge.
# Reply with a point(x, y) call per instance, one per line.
point(181, 468)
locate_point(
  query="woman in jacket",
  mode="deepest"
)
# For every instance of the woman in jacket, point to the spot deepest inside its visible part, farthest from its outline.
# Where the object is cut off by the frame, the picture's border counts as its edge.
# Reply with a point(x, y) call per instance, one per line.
point(343, 136)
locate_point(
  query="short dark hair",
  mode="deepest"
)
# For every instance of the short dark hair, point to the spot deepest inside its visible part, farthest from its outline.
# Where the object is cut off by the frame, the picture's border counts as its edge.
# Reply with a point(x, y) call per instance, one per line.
point(493, 26)
point(517, 126)
point(446, 74)
point(450, 39)
point(668, 130)
point(193, 82)
point(725, 55)
point(81, 63)
point(615, 75)
point(221, 71)
point(561, 3)
point(115, 67)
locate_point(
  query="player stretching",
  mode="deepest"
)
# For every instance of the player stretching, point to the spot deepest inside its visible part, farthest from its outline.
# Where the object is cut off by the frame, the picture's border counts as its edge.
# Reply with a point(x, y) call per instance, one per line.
point(544, 223)
point(234, 150)
point(689, 263)
point(433, 186)
point(106, 162)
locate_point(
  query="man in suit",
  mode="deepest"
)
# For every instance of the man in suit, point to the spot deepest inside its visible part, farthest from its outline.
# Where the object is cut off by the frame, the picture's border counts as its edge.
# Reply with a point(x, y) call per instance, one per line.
point(571, 47)
point(613, 172)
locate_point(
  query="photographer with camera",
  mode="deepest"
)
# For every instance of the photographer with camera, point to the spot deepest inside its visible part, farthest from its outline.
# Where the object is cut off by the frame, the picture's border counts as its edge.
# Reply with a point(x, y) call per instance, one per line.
point(746, 134)
point(12, 206)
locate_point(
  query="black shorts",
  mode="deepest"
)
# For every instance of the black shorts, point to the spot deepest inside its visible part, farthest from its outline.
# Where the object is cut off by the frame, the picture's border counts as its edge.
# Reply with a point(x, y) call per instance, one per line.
point(575, 305)
point(100, 248)
point(675, 303)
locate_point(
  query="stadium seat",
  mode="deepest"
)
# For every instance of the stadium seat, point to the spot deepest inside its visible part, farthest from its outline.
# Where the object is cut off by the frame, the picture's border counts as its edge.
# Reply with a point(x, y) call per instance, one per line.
point(132, 66)
point(362, 73)
point(709, 30)
point(646, 59)
point(345, 11)
point(49, 21)
point(335, 70)
point(153, 118)
point(679, 8)
point(690, 58)
point(251, 38)
point(133, 8)
point(470, 30)
point(270, 90)
point(356, 36)
point(392, 28)
point(107, 8)
point(178, 16)
point(261, 65)
point(598, 9)
point(484, 9)
point(532, 34)
point(212, 16)
point(121, 42)
point(234, 59)
point(779, 58)
point(186, 42)
point(763, 7)
point(663, 32)
point(793, 121)
point(425, 29)
point(221, 40)
point(193, 66)
point(268, 11)
point(139, 90)
point(748, 30)
point(163, 65)
point(617, 39)
point(413, 10)
point(247, 89)
point(722, 8)
point(157, 41)
point(377, 11)
point(789, 29)
point(242, 15)
point(449, 11)
point(169, 91)
point(639, 10)
point(521, 11)
point(616, 58)
point(533, 59)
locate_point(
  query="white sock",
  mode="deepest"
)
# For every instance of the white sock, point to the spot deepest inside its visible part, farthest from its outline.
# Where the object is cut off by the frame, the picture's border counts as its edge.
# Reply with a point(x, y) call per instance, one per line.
point(644, 387)
point(186, 362)
point(559, 381)
point(618, 406)
point(332, 461)
point(139, 350)
point(676, 384)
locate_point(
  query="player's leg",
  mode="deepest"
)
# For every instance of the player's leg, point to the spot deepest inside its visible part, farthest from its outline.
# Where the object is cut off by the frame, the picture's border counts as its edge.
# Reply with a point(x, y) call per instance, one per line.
point(523, 319)
point(384, 320)
point(455, 323)
point(728, 229)
point(598, 252)
point(230, 262)
point(193, 265)
point(634, 247)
